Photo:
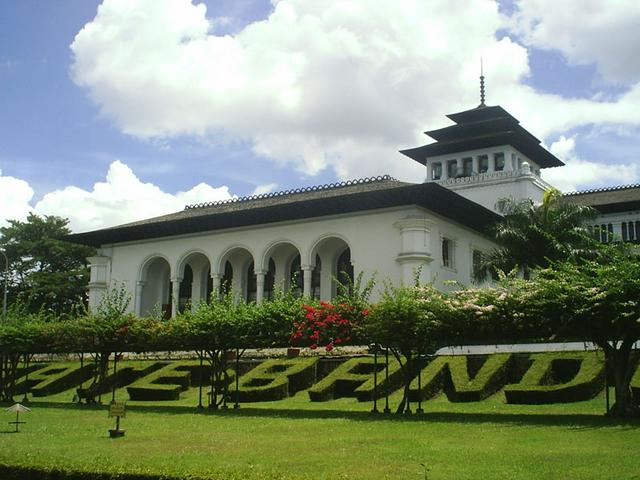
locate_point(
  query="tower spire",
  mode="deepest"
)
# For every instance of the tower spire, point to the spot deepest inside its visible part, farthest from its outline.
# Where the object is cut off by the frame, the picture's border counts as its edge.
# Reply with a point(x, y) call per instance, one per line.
point(481, 85)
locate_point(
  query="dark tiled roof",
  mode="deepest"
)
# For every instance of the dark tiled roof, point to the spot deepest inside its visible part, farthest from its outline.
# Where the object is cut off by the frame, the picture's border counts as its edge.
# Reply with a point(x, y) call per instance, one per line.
point(355, 197)
point(615, 199)
point(483, 127)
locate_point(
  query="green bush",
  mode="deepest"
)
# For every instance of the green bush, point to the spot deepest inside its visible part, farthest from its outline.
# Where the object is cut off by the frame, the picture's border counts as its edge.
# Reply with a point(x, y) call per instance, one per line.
point(277, 379)
point(127, 373)
point(463, 378)
point(559, 378)
point(167, 382)
point(55, 378)
point(354, 378)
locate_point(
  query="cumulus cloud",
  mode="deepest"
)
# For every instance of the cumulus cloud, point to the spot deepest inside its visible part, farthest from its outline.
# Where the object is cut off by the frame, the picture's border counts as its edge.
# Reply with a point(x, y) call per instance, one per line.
point(15, 195)
point(121, 198)
point(578, 172)
point(586, 32)
point(325, 83)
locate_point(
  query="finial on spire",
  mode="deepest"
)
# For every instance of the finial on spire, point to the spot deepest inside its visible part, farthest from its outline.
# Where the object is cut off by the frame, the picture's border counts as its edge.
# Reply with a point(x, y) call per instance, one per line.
point(481, 85)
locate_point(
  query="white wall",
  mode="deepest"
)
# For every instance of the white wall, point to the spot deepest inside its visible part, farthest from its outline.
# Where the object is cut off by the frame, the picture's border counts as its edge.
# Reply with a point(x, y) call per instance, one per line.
point(375, 240)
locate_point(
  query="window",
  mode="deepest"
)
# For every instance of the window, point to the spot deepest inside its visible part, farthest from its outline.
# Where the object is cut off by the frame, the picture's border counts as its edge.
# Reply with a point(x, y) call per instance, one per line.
point(436, 171)
point(452, 168)
point(447, 253)
point(498, 159)
point(467, 167)
point(483, 163)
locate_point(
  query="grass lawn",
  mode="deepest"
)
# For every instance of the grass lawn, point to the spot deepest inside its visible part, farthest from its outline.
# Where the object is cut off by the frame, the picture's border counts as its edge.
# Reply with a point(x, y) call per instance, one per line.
point(295, 438)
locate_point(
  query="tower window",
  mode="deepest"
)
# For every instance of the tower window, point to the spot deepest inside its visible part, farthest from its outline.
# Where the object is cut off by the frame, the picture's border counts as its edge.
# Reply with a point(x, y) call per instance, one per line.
point(483, 163)
point(467, 167)
point(436, 171)
point(452, 168)
point(498, 159)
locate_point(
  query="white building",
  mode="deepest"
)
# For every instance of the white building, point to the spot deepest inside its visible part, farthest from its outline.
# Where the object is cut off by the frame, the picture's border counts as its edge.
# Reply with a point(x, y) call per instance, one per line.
point(305, 239)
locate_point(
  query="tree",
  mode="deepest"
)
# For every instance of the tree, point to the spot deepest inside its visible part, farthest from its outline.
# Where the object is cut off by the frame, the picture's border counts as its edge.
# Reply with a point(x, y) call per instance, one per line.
point(533, 235)
point(45, 272)
point(410, 321)
point(599, 301)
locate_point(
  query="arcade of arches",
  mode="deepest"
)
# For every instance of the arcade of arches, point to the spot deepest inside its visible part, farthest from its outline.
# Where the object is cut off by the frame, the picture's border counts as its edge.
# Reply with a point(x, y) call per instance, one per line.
point(193, 280)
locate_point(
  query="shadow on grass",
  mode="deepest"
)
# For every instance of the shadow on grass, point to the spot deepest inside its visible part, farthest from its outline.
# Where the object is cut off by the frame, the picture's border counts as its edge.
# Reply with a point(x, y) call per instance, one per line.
point(522, 419)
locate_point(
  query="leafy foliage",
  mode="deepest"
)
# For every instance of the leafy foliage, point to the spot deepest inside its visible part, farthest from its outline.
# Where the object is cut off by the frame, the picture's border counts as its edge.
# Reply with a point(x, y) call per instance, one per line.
point(533, 235)
point(45, 272)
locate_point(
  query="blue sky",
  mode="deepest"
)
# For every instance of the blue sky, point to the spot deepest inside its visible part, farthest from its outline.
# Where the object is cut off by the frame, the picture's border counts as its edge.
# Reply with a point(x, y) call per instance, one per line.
point(293, 93)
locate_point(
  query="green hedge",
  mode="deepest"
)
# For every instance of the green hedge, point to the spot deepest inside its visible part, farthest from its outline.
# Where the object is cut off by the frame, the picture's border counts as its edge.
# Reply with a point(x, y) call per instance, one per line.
point(22, 472)
point(463, 378)
point(55, 378)
point(167, 382)
point(277, 379)
point(355, 378)
point(559, 378)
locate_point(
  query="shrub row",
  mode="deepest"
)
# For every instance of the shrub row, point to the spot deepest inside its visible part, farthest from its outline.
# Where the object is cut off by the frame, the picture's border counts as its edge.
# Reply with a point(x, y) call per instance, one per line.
point(559, 378)
point(277, 379)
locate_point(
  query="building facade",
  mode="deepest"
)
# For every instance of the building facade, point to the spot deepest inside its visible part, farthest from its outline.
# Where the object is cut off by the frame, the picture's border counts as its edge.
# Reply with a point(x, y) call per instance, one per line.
point(309, 239)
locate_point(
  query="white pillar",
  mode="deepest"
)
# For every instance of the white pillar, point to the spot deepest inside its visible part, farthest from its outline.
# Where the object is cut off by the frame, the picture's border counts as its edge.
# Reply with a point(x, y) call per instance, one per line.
point(492, 164)
point(138, 297)
point(307, 272)
point(476, 165)
point(215, 290)
point(175, 295)
point(429, 171)
point(259, 285)
point(99, 267)
point(508, 161)
point(415, 253)
point(196, 288)
point(459, 168)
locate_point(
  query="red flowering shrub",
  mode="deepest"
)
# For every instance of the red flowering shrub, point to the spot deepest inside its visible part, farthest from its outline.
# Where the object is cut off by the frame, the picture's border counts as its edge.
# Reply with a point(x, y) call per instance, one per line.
point(327, 325)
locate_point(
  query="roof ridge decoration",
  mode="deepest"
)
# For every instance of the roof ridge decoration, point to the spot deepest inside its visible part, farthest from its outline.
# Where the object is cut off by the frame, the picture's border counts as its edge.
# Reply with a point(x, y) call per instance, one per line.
point(314, 188)
point(602, 189)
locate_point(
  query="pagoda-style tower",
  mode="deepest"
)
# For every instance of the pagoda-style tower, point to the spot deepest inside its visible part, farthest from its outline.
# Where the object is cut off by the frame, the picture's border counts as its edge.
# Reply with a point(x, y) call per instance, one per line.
point(486, 156)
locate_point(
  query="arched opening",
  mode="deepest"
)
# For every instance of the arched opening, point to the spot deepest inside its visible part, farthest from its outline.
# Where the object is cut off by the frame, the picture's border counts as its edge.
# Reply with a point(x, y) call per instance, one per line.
point(332, 264)
point(252, 283)
point(156, 288)
point(236, 280)
point(296, 284)
point(186, 289)
point(194, 269)
point(345, 270)
point(279, 259)
point(226, 281)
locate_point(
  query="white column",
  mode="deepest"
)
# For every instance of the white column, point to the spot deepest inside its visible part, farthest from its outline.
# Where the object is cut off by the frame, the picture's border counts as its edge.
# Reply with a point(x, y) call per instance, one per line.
point(476, 165)
point(492, 163)
point(175, 295)
point(196, 288)
point(429, 171)
point(259, 285)
point(138, 297)
point(445, 169)
point(326, 277)
point(99, 278)
point(307, 271)
point(508, 161)
point(215, 290)
point(415, 252)
point(458, 166)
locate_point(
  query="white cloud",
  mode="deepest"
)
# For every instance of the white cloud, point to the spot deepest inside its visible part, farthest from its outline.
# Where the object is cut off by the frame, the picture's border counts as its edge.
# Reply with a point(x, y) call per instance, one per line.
point(121, 198)
point(15, 195)
point(266, 188)
point(325, 83)
point(586, 32)
point(579, 172)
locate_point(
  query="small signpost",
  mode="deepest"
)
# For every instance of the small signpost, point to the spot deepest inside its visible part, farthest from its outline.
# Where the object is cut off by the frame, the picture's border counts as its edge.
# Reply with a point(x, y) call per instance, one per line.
point(18, 409)
point(117, 409)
